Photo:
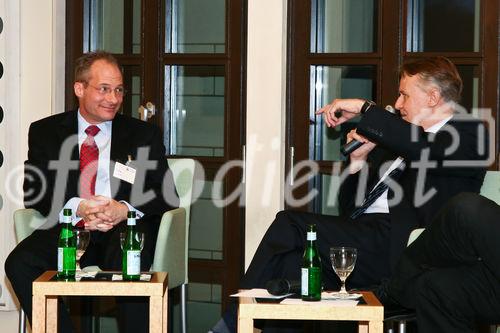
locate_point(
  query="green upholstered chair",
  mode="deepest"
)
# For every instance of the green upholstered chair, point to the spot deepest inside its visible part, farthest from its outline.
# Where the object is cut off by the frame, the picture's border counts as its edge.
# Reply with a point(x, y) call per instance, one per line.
point(25, 222)
point(171, 253)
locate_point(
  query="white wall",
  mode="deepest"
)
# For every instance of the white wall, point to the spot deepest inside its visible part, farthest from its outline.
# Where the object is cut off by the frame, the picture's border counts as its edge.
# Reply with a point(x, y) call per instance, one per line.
point(266, 92)
point(32, 52)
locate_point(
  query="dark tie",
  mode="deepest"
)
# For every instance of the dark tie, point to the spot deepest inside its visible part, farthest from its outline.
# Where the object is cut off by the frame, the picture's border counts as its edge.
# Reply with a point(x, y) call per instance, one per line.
point(377, 191)
point(89, 156)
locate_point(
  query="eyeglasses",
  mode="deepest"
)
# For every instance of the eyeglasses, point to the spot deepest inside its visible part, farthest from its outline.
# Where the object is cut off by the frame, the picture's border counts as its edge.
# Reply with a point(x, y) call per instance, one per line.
point(106, 90)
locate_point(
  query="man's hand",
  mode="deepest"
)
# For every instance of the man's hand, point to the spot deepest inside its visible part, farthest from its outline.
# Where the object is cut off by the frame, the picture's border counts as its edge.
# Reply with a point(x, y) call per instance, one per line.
point(112, 213)
point(101, 213)
point(341, 110)
point(358, 157)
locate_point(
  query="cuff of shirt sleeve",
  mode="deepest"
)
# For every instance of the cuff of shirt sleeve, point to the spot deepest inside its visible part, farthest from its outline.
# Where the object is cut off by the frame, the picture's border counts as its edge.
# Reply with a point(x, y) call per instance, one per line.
point(72, 204)
point(138, 213)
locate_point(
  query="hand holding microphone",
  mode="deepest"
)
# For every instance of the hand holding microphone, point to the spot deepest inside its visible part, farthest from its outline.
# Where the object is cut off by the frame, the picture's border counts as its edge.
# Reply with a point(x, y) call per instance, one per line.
point(351, 146)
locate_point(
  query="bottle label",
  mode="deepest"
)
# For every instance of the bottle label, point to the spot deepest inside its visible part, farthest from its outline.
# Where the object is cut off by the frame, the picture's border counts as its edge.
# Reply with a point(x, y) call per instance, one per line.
point(311, 236)
point(305, 282)
point(133, 262)
point(60, 253)
point(311, 282)
point(131, 221)
point(66, 259)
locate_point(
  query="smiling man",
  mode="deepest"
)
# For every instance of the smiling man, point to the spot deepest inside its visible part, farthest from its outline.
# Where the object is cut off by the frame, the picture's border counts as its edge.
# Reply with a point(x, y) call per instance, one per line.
point(408, 166)
point(101, 141)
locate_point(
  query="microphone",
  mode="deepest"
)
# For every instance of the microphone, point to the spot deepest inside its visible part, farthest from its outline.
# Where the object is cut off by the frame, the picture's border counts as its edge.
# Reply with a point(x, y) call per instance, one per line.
point(279, 287)
point(355, 144)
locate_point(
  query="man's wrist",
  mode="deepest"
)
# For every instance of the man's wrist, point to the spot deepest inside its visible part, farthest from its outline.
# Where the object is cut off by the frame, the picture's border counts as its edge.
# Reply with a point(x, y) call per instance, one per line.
point(367, 105)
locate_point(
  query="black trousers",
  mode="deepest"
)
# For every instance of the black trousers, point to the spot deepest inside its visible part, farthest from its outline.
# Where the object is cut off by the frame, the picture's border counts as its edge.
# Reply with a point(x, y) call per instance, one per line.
point(451, 273)
point(279, 255)
point(38, 253)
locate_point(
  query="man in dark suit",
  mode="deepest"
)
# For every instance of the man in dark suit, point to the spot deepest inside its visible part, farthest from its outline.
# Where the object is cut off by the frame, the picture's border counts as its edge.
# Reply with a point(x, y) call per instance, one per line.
point(101, 165)
point(451, 273)
point(411, 159)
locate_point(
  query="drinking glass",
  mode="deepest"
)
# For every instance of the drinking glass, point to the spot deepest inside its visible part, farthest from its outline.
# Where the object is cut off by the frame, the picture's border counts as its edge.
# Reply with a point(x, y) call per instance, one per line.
point(82, 241)
point(139, 235)
point(343, 261)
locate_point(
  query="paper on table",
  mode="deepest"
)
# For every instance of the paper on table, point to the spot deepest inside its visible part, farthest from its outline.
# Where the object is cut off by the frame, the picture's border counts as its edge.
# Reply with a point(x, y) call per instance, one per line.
point(338, 296)
point(258, 293)
point(81, 274)
point(335, 302)
point(119, 277)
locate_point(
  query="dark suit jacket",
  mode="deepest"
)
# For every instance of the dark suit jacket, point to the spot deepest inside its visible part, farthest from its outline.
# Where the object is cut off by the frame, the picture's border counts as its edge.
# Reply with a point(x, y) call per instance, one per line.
point(53, 143)
point(396, 137)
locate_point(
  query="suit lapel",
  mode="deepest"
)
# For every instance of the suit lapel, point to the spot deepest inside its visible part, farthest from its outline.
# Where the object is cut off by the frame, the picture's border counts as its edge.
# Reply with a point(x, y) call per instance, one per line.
point(68, 130)
point(120, 148)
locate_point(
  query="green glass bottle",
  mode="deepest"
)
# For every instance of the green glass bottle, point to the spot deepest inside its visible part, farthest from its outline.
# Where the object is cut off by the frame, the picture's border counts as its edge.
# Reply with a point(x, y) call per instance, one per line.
point(66, 249)
point(131, 257)
point(311, 268)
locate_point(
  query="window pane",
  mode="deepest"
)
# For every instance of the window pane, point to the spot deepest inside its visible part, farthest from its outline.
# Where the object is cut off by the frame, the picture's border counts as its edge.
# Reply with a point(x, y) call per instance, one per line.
point(132, 83)
point(206, 230)
point(105, 28)
point(470, 94)
point(328, 83)
point(340, 26)
point(326, 202)
point(195, 26)
point(194, 101)
point(204, 307)
point(443, 25)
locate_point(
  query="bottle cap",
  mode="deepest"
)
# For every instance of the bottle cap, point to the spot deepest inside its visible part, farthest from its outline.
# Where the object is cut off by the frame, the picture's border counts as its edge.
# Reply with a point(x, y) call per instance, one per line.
point(131, 214)
point(67, 212)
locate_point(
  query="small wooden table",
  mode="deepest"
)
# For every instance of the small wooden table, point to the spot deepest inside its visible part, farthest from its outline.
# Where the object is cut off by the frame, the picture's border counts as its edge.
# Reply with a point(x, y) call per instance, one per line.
point(369, 315)
point(46, 291)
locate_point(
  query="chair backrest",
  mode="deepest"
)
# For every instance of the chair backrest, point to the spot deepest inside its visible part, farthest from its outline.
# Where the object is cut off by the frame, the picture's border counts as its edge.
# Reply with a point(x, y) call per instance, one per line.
point(491, 186)
point(183, 173)
point(171, 253)
point(26, 221)
point(171, 247)
point(414, 235)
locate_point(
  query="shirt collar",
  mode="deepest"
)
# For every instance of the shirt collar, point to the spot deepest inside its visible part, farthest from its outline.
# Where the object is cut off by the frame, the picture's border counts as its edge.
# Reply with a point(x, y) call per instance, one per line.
point(104, 127)
point(437, 126)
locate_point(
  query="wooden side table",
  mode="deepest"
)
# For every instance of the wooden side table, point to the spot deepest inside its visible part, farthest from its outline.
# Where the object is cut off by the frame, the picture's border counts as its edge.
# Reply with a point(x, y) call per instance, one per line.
point(46, 292)
point(369, 315)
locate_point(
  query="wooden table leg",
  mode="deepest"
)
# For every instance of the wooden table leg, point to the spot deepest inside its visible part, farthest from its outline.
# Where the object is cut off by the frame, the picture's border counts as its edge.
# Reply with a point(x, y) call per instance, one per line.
point(375, 326)
point(165, 311)
point(51, 314)
point(38, 314)
point(245, 325)
point(155, 314)
point(363, 327)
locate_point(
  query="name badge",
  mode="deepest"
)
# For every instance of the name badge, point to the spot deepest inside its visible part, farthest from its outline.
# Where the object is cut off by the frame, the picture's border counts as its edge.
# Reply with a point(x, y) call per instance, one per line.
point(124, 172)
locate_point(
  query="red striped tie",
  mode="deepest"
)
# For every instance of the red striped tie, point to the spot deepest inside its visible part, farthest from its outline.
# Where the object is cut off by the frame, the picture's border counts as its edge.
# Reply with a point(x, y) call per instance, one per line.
point(89, 156)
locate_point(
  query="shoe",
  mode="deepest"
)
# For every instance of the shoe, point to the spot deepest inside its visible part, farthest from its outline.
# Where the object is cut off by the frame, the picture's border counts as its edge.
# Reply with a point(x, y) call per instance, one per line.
point(227, 324)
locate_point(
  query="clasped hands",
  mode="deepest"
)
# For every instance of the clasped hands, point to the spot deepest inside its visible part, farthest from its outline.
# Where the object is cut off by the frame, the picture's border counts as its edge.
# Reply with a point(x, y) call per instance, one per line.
point(101, 213)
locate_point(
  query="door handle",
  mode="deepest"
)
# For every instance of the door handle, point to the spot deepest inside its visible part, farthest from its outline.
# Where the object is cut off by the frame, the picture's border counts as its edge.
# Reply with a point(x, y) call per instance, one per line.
point(146, 112)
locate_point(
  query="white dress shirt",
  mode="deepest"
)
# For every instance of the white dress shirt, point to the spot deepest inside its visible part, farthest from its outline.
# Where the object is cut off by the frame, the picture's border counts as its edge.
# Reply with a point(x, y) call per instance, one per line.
point(102, 184)
point(381, 205)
